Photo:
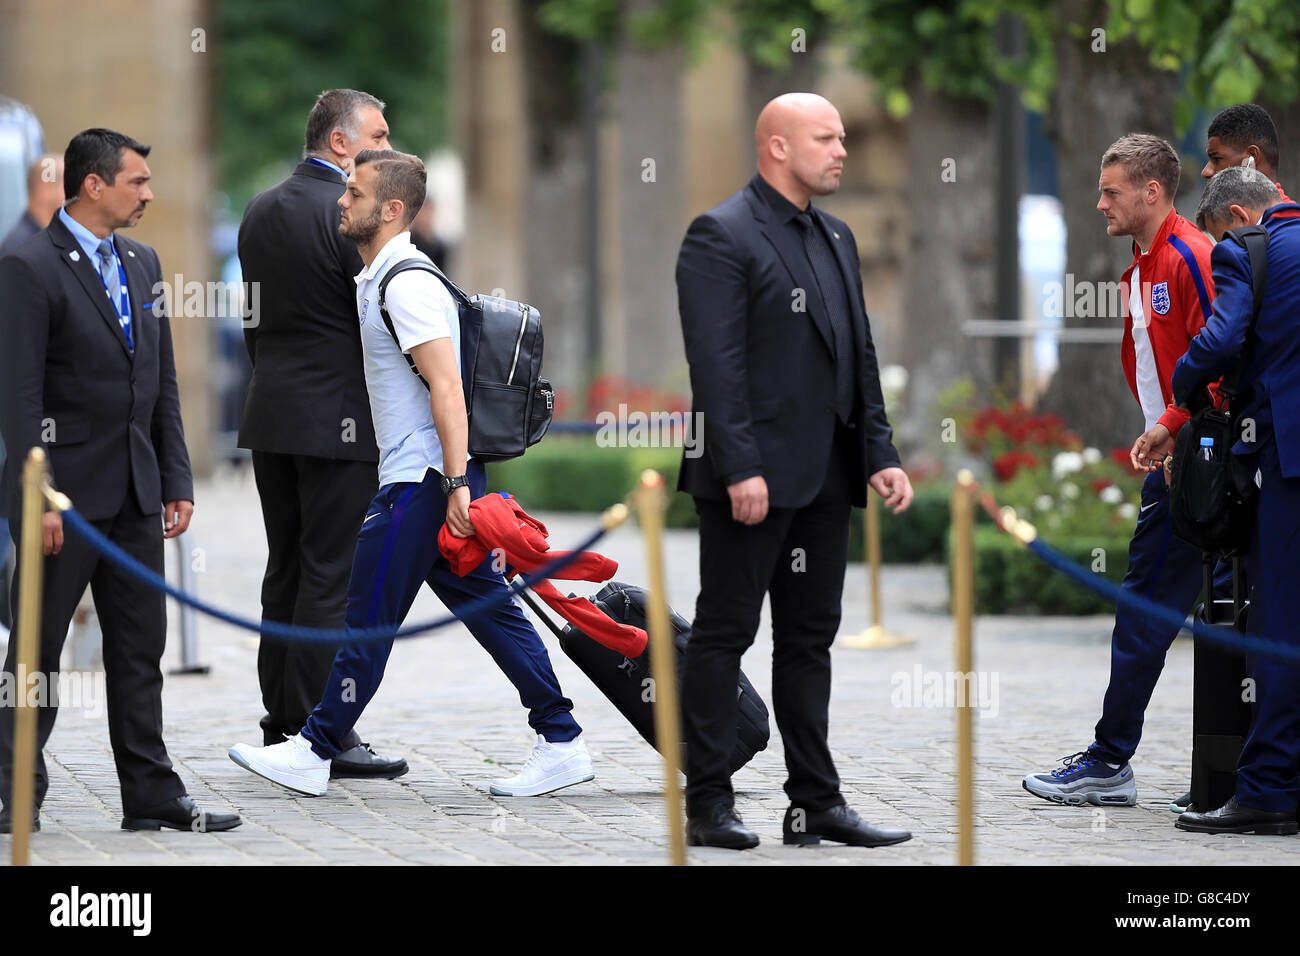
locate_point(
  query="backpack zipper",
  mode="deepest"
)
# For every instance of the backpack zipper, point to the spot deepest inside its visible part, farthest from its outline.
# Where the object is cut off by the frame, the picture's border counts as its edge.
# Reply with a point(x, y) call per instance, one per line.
point(519, 341)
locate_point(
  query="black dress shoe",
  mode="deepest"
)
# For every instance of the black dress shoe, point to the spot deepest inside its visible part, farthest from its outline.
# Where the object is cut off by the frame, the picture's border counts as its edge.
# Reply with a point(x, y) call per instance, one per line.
point(720, 827)
point(840, 824)
point(1232, 817)
point(362, 761)
point(6, 821)
point(180, 814)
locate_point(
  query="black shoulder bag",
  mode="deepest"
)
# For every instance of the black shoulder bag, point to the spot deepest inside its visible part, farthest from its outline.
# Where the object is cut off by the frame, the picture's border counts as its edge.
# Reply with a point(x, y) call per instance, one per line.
point(1211, 492)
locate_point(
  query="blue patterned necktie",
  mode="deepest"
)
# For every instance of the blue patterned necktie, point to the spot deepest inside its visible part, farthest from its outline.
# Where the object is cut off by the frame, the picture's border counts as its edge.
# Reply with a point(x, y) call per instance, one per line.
point(113, 283)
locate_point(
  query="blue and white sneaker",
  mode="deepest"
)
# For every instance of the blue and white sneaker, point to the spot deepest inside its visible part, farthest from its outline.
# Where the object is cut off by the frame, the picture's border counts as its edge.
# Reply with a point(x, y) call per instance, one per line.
point(1085, 779)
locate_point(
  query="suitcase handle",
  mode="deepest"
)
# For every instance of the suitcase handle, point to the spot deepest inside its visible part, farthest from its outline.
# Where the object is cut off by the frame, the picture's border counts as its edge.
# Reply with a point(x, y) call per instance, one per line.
point(537, 609)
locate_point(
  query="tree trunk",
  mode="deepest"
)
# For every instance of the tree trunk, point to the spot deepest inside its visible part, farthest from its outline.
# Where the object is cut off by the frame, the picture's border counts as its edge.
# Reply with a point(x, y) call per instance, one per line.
point(949, 267)
point(557, 194)
point(1287, 120)
point(1099, 97)
point(651, 206)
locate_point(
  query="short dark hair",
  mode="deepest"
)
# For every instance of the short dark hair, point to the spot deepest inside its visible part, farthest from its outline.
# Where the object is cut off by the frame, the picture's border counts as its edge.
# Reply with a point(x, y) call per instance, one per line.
point(336, 109)
point(1235, 186)
point(97, 151)
point(1246, 125)
point(1146, 157)
point(399, 176)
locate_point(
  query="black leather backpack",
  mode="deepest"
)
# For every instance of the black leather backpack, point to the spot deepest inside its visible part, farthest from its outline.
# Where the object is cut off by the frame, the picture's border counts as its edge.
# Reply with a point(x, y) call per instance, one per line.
point(509, 403)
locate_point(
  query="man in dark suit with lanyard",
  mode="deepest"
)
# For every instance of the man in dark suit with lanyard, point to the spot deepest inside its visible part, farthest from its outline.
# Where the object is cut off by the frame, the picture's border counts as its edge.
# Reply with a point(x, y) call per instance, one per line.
point(307, 415)
point(785, 381)
point(87, 373)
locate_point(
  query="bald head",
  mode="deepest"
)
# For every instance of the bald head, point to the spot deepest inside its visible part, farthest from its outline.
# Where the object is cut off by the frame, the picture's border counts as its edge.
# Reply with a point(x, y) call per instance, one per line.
point(799, 139)
point(785, 114)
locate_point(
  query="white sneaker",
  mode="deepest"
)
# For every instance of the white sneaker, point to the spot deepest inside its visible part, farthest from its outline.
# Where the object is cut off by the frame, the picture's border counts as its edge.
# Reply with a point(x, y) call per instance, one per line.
point(548, 768)
point(291, 764)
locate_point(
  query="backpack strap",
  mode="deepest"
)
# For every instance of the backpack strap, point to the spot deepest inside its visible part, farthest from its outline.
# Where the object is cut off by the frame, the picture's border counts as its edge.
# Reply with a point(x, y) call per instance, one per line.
point(1254, 239)
point(413, 265)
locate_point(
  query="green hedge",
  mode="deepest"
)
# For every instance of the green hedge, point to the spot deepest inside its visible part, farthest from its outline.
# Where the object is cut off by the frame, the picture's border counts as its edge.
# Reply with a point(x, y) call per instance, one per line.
point(917, 535)
point(573, 473)
point(1009, 578)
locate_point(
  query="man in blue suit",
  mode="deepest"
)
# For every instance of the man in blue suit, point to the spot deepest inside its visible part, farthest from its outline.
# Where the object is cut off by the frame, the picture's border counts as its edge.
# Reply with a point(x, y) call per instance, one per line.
point(1268, 771)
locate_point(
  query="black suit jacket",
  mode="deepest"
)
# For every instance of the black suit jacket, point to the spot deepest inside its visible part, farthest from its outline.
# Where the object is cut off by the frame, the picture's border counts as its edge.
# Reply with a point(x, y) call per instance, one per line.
point(22, 230)
point(109, 420)
point(762, 370)
point(308, 392)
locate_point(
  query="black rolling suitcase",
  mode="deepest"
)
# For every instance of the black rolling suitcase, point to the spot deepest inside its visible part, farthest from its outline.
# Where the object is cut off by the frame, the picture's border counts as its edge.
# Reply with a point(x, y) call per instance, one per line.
point(1220, 715)
point(624, 680)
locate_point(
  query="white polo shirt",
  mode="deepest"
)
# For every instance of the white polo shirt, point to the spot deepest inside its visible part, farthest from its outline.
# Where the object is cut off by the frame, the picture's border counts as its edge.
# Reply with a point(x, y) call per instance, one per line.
point(422, 310)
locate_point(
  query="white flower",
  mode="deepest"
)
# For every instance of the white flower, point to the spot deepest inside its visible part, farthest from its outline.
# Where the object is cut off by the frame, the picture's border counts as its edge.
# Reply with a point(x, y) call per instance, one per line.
point(1091, 456)
point(1128, 511)
point(893, 378)
point(1111, 495)
point(1070, 490)
point(1044, 502)
point(1066, 463)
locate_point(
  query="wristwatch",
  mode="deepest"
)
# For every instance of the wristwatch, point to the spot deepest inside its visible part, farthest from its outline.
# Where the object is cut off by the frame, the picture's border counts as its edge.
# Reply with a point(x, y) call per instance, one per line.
point(451, 484)
point(1169, 466)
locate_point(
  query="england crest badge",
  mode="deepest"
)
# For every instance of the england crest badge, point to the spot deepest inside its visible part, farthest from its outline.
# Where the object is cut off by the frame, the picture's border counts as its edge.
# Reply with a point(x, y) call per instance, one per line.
point(1160, 298)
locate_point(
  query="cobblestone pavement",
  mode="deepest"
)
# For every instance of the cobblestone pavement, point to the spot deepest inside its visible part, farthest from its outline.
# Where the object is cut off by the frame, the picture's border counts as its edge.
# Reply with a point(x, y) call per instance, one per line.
point(457, 721)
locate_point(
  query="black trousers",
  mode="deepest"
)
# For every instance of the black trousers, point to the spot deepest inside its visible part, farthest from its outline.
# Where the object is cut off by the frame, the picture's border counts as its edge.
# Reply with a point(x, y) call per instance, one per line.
point(797, 557)
point(312, 509)
point(134, 622)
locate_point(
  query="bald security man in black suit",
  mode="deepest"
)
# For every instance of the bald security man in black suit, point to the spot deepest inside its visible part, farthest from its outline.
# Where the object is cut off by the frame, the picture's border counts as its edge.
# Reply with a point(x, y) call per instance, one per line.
point(87, 373)
point(785, 382)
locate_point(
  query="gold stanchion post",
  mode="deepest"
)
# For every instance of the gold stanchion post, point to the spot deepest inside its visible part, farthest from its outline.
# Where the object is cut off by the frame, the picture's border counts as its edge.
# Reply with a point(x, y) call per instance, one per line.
point(31, 561)
point(652, 503)
point(963, 612)
point(875, 636)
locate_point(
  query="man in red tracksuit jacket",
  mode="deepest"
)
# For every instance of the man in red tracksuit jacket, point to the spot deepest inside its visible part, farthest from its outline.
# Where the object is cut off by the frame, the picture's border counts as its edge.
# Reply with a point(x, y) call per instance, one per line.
point(1167, 293)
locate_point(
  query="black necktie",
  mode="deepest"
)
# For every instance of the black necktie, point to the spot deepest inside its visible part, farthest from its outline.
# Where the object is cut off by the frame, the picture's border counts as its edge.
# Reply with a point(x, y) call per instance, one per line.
point(834, 299)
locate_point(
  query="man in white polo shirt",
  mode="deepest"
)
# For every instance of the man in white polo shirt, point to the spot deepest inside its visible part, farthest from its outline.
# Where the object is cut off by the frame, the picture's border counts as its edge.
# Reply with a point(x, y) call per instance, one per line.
point(425, 478)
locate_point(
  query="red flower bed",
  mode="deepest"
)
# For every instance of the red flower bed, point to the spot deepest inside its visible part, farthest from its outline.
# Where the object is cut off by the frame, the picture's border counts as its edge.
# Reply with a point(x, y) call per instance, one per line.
point(607, 392)
point(1008, 463)
point(1002, 428)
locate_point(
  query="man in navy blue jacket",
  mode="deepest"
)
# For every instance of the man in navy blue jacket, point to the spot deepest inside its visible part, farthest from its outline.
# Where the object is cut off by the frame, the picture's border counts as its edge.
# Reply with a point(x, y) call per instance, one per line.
point(1268, 771)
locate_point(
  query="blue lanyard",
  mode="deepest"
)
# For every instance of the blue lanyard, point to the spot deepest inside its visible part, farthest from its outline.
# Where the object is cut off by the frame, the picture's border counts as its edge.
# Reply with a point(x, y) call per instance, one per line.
point(123, 305)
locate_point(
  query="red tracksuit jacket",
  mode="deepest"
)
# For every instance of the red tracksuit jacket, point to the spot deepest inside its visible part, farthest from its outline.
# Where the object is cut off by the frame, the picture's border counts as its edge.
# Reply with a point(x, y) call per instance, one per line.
point(1177, 290)
point(499, 523)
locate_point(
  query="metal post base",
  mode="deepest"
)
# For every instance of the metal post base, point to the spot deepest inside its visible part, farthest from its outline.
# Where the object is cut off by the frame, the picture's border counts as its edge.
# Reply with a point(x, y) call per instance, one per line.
point(874, 638)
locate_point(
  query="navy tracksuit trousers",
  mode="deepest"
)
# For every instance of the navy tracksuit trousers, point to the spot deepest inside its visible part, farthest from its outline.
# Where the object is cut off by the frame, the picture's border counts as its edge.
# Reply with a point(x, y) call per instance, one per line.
point(1168, 571)
point(1267, 771)
point(397, 551)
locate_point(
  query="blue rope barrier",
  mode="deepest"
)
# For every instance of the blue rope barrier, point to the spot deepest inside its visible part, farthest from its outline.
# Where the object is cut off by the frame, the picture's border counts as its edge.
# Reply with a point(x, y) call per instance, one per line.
point(292, 632)
point(582, 428)
point(1220, 635)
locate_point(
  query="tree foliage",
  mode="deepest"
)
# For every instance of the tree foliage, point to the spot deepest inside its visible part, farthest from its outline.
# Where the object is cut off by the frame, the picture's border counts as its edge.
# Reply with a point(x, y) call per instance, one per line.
point(1229, 50)
point(273, 57)
point(1233, 51)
